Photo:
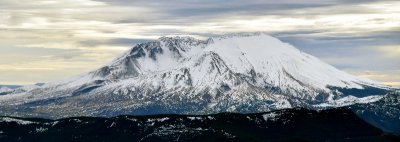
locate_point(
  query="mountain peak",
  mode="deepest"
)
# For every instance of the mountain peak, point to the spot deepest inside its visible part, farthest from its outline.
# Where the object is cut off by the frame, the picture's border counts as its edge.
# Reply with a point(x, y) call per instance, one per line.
point(246, 72)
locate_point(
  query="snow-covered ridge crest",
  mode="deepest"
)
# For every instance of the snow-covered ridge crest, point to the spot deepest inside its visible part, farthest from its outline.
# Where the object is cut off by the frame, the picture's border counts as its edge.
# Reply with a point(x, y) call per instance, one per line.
point(243, 53)
point(251, 72)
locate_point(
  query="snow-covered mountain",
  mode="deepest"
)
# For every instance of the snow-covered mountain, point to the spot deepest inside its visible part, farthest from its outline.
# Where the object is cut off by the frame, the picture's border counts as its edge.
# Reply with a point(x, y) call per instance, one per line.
point(15, 89)
point(235, 73)
point(5, 89)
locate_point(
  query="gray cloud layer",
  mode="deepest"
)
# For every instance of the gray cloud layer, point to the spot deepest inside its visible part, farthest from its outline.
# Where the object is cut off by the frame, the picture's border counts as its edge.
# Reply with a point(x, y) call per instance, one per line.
point(359, 36)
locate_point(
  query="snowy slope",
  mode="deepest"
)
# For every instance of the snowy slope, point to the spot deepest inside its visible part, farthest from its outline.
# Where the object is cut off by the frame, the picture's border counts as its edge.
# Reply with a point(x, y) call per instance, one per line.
point(238, 73)
point(5, 89)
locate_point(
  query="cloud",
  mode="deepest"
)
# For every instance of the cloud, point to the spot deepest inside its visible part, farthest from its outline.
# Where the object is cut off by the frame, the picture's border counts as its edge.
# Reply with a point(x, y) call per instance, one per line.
point(388, 77)
point(128, 42)
point(371, 51)
point(354, 35)
point(390, 51)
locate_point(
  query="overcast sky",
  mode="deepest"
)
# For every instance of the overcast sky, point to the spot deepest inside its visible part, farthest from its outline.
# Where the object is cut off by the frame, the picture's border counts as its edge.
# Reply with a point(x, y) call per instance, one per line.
point(46, 40)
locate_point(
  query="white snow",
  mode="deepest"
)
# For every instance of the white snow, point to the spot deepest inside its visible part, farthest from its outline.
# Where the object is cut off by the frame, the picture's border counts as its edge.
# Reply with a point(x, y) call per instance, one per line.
point(41, 130)
point(157, 119)
point(272, 116)
point(162, 119)
point(349, 100)
point(233, 69)
point(272, 58)
point(19, 121)
point(5, 89)
point(54, 123)
point(194, 118)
